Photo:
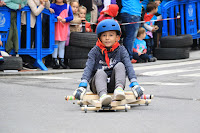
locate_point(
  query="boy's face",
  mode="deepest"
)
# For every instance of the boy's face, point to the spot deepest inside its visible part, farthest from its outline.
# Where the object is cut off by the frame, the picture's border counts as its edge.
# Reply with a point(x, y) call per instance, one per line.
point(155, 10)
point(75, 7)
point(82, 13)
point(108, 38)
point(142, 36)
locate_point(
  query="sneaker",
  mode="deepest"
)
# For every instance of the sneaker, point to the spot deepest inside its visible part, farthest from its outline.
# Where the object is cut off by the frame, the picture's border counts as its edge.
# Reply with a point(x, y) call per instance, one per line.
point(105, 100)
point(133, 61)
point(119, 94)
point(153, 59)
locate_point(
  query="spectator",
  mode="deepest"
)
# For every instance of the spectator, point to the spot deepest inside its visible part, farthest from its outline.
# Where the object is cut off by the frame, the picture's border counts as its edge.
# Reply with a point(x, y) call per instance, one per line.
point(130, 12)
point(12, 41)
point(36, 6)
point(82, 14)
point(149, 26)
point(140, 48)
point(104, 4)
point(75, 24)
point(2, 3)
point(109, 13)
point(64, 14)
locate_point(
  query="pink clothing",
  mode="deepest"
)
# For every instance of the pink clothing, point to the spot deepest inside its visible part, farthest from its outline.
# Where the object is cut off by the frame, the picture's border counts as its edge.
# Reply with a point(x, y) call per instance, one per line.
point(62, 29)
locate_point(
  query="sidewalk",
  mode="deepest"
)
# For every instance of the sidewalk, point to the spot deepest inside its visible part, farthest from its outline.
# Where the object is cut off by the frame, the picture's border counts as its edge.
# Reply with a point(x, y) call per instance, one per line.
point(194, 55)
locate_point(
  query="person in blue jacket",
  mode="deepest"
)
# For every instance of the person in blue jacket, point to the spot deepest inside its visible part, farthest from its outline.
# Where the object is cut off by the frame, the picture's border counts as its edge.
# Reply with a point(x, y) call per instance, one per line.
point(107, 65)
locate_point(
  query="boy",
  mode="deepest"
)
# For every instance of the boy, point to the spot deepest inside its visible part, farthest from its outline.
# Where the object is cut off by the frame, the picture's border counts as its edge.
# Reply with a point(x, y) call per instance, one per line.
point(140, 48)
point(108, 59)
point(149, 25)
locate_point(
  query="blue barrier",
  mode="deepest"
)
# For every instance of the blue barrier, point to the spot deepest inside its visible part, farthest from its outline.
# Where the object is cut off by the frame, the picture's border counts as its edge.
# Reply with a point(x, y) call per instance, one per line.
point(190, 17)
point(37, 52)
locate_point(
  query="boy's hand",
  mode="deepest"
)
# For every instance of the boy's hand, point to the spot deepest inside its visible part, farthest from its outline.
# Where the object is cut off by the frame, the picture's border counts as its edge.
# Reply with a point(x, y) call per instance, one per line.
point(156, 27)
point(139, 53)
point(51, 10)
point(87, 30)
point(136, 89)
point(79, 93)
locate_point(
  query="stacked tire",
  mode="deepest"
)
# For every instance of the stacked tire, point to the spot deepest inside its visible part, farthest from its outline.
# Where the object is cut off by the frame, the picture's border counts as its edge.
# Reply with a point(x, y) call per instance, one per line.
point(11, 63)
point(79, 46)
point(174, 47)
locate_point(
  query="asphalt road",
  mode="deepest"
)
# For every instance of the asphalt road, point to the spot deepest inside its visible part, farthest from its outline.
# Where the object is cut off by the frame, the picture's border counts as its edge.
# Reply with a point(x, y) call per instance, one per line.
point(35, 104)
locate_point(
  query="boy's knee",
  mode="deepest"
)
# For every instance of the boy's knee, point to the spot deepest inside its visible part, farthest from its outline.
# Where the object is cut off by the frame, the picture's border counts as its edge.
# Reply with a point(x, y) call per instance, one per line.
point(119, 65)
point(101, 72)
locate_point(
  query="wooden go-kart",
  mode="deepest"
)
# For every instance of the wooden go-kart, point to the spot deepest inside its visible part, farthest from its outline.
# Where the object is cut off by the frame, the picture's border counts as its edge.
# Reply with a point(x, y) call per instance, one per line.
point(93, 99)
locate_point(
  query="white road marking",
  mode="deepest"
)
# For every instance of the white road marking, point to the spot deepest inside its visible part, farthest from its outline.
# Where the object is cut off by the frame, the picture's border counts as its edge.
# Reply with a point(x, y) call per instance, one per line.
point(191, 75)
point(167, 65)
point(50, 77)
point(165, 72)
point(165, 83)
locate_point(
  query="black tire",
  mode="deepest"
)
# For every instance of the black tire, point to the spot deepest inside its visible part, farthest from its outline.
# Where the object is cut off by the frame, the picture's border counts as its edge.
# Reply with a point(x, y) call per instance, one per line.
point(79, 39)
point(11, 63)
point(181, 41)
point(171, 53)
point(77, 63)
point(72, 52)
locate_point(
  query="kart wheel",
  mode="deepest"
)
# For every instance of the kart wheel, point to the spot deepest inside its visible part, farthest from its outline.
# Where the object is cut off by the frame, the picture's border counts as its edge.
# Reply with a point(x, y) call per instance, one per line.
point(126, 108)
point(85, 108)
point(146, 103)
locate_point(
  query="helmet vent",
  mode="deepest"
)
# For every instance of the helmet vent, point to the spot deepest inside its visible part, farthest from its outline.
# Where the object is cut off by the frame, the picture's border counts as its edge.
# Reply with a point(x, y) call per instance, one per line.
point(104, 26)
point(113, 25)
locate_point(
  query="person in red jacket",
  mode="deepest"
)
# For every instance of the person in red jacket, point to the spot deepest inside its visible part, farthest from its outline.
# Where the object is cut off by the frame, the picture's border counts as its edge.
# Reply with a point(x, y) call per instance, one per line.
point(109, 13)
point(82, 14)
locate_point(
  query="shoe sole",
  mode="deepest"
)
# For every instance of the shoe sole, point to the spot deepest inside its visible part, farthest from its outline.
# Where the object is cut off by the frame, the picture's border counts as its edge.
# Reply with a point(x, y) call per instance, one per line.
point(107, 101)
point(119, 97)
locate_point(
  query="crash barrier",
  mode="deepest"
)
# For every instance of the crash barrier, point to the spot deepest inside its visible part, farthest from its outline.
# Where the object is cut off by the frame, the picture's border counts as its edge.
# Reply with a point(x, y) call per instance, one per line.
point(36, 51)
point(189, 11)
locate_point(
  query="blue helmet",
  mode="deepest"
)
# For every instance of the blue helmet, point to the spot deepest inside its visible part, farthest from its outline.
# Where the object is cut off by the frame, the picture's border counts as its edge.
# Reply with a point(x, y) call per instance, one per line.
point(107, 25)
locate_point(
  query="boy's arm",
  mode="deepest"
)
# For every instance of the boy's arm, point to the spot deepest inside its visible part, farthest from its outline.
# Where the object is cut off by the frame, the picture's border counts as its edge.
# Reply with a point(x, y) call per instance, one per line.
point(12, 5)
point(129, 67)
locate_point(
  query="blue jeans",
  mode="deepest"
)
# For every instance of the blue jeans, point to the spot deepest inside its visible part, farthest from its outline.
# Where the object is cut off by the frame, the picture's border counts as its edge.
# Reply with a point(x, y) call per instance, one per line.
point(150, 45)
point(131, 31)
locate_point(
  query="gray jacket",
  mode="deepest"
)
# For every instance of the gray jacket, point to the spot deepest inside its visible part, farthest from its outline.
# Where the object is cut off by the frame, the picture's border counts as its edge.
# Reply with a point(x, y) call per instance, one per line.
point(96, 60)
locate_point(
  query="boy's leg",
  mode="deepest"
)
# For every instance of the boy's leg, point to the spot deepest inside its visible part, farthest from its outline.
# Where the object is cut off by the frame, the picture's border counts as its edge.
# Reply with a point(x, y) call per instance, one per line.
point(137, 57)
point(98, 83)
point(117, 81)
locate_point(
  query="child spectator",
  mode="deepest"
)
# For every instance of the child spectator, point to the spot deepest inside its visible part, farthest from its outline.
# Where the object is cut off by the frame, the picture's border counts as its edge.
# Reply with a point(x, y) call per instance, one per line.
point(149, 26)
point(109, 13)
point(75, 24)
point(82, 14)
point(108, 59)
point(64, 14)
point(12, 41)
point(36, 6)
point(140, 48)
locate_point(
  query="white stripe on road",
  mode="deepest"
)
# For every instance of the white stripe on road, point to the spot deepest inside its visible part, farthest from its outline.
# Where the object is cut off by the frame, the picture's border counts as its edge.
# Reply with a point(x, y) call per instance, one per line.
point(49, 77)
point(166, 65)
point(191, 75)
point(165, 72)
point(165, 83)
